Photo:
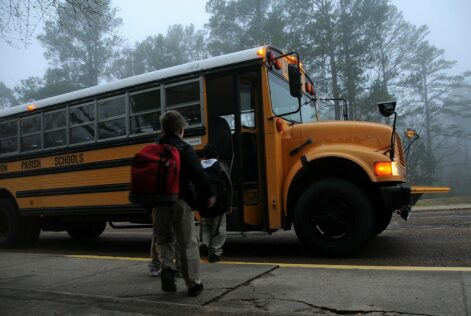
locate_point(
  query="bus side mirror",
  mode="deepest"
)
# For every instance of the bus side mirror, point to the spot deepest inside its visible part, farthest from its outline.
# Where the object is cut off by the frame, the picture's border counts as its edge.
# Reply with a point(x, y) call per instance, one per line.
point(294, 76)
point(387, 108)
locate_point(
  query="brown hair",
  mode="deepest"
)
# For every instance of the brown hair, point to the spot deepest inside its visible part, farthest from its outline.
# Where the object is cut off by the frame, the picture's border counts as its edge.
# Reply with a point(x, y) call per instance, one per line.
point(172, 122)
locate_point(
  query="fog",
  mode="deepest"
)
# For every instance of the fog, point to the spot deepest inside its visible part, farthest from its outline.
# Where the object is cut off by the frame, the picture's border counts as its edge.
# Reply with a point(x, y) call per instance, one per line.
point(449, 114)
point(448, 22)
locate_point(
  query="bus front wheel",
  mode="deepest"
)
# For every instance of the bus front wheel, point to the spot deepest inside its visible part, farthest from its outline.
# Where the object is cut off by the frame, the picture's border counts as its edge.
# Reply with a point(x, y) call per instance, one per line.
point(86, 229)
point(334, 217)
point(383, 220)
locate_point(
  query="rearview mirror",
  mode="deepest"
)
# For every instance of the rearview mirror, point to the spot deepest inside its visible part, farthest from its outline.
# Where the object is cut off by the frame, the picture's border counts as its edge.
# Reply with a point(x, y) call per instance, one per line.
point(387, 108)
point(294, 76)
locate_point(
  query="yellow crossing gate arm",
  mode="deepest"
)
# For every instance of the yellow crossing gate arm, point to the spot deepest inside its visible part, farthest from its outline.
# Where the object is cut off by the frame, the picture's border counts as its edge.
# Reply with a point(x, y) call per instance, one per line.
point(429, 189)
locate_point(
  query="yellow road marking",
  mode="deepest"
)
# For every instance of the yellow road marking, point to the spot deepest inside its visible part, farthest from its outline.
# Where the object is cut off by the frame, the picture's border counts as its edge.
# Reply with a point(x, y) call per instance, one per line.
point(355, 267)
point(107, 258)
point(301, 265)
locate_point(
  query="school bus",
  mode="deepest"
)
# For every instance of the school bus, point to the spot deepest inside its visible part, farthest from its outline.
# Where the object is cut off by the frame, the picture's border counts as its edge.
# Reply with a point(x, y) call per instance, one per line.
point(65, 160)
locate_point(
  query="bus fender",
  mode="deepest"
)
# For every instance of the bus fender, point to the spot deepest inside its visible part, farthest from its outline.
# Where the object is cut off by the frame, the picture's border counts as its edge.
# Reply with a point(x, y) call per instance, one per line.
point(310, 157)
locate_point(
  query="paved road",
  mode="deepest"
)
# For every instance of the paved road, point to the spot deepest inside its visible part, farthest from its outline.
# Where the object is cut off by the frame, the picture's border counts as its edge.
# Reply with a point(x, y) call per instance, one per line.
point(430, 238)
point(419, 267)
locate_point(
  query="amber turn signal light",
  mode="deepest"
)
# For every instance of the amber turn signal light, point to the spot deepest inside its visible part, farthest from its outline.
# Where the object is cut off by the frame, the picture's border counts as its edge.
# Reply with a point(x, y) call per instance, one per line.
point(383, 168)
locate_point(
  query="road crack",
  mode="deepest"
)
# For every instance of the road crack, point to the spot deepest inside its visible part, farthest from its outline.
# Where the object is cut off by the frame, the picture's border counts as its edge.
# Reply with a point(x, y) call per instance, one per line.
point(245, 283)
point(346, 311)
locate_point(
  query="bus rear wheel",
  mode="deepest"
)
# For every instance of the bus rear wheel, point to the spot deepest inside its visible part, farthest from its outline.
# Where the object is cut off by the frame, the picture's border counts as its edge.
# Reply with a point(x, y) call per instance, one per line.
point(334, 217)
point(85, 229)
point(14, 229)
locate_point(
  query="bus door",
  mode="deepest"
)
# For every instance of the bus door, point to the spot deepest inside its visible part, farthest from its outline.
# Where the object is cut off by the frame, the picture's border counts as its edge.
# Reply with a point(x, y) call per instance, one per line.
point(233, 102)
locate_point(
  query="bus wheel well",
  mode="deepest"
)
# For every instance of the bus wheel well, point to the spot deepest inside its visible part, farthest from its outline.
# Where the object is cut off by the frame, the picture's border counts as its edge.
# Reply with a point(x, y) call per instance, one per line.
point(6, 195)
point(320, 169)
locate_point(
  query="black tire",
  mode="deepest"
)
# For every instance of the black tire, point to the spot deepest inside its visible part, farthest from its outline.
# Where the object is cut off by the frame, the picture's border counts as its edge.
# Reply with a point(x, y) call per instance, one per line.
point(85, 229)
point(334, 217)
point(11, 228)
point(383, 220)
point(14, 229)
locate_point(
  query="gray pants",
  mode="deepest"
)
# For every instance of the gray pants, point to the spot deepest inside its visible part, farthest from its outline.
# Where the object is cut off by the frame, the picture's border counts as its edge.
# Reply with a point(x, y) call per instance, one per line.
point(173, 224)
point(213, 233)
point(154, 248)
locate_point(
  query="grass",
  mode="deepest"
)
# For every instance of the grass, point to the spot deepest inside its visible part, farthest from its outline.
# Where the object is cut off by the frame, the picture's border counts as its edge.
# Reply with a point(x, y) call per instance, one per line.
point(445, 201)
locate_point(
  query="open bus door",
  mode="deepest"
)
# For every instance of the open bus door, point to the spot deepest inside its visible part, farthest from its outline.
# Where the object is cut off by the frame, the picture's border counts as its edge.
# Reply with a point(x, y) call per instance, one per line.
point(234, 128)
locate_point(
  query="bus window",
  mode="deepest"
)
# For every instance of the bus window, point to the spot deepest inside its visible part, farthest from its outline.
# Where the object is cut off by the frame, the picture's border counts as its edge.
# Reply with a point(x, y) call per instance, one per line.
point(8, 137)
point(54, 129)
point(185, 98)
point(145, 111)
point(247, 111)
point(80, 128)
point(31, 133)
point(111, 118)
point(308, 112)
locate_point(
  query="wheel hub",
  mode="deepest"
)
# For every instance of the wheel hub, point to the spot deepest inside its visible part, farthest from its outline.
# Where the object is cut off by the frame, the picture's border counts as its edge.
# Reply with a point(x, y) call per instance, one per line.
point(331, 218)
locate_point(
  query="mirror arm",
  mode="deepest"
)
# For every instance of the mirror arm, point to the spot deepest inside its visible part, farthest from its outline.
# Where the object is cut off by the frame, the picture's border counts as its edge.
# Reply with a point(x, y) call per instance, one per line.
point(416, 137)
point(345, 107)
point(393, 137)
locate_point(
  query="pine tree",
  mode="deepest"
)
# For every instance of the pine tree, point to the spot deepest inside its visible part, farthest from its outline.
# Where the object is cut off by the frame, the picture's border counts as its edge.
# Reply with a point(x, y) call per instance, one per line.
point(7, 98)
point(83, 47)
point(78, 51)
point(180, 45)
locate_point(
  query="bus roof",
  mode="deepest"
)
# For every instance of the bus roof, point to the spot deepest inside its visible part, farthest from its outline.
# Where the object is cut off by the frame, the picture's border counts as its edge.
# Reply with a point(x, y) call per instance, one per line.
point(188, 68)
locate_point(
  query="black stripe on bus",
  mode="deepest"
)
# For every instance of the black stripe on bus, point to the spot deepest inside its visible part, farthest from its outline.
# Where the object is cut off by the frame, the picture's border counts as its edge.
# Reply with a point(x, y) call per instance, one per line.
point(78, 167)
point(74, 190)
point(86, 210)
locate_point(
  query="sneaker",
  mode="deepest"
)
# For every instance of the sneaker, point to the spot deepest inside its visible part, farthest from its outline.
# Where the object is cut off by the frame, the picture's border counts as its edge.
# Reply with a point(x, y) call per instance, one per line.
point(214, 258)
point(203, 249)
point(178, 273)
point(168, 280)
point(195, 290)
point(154, 271)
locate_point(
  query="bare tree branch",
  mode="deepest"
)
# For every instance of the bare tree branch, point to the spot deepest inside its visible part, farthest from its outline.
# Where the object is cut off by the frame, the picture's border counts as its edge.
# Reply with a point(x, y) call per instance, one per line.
point(20, 19)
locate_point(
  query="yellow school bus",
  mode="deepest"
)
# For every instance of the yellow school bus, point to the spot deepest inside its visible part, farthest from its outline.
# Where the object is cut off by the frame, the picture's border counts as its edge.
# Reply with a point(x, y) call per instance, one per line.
point(65, 160)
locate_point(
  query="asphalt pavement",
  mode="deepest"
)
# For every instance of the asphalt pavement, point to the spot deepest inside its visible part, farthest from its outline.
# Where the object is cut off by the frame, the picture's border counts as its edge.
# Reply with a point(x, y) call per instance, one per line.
point(44, 284)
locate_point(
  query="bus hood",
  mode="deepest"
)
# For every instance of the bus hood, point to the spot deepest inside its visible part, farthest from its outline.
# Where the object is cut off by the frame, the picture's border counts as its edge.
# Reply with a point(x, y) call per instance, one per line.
point(363, 140)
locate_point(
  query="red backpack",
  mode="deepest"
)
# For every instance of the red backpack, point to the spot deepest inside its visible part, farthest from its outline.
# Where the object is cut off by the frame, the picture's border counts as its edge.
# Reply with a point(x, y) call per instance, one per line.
point(155, 175)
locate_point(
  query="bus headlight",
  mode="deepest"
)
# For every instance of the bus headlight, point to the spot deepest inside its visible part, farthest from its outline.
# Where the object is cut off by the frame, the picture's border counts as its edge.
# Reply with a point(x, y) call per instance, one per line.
point(386, 168)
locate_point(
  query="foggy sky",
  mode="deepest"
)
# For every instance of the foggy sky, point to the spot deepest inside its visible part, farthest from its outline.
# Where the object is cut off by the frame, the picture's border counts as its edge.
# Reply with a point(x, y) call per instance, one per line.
point(447, 19)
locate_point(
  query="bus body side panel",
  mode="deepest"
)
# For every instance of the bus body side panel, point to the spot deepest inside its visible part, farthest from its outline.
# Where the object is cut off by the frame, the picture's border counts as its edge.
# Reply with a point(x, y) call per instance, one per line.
point(84, 179)
point(273, 160)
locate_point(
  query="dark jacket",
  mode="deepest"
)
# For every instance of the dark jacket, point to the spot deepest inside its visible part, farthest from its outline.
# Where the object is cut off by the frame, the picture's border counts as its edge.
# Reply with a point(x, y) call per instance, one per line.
point(226, 174)
point(191, 171)
point(222, 185)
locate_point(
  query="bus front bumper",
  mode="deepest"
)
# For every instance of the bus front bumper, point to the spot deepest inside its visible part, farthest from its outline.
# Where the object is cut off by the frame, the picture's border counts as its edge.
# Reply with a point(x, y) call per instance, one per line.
point(402, 197)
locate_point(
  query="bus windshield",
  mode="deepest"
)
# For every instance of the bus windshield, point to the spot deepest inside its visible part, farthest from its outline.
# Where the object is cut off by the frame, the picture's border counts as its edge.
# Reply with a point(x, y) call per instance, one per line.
point(283, 102)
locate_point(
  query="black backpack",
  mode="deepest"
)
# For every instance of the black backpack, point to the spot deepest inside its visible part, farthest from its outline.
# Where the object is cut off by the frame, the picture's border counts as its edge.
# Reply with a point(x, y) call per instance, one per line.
point(221, 187)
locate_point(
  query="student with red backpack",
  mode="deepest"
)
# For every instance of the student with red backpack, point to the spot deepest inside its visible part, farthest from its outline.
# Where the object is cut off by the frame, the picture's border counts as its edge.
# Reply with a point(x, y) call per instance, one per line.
point(174, 220)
